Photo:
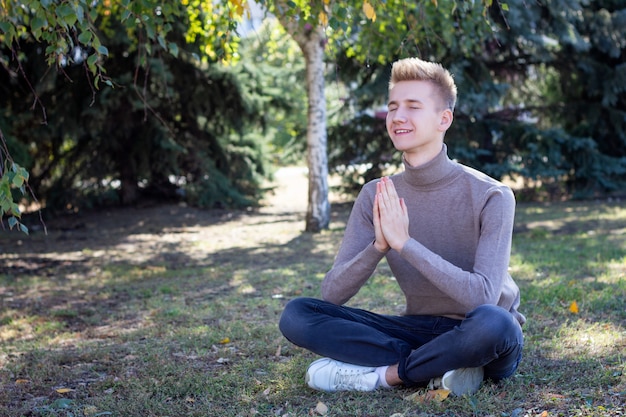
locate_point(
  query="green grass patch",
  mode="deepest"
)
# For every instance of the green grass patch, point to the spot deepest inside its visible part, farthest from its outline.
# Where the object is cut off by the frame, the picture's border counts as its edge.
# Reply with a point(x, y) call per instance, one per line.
point(177, 335)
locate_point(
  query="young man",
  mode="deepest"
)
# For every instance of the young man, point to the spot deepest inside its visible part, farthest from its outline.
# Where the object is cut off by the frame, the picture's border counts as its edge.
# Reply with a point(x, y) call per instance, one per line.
point(445, 230)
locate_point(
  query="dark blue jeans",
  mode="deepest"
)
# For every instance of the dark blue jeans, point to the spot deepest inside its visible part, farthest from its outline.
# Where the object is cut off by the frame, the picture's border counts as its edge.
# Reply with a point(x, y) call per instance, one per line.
point(424, 347)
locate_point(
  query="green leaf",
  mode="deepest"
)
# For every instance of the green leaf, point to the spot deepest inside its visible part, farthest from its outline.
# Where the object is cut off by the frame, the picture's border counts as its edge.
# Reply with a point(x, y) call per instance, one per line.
point(85, 37)
point(93, 13)
point(66, 15)
point(38, 23)
point(103, 50)
point(173, 47)
point(80, 14)
point(150, 29)
point(91, 62)
point(5, 27)
point(95, 42)
point(126, 14)
point(18, 181)
point(12, 222)
point(65, 10)
point(161, 41)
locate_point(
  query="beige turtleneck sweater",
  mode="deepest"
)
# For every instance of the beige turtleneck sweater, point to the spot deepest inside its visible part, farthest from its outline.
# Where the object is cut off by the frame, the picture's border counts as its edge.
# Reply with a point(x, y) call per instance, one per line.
point(461, 224)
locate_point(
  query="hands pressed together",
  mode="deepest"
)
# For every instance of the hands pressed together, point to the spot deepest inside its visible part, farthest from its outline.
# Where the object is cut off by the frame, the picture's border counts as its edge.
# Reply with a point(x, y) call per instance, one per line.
point(391, 217)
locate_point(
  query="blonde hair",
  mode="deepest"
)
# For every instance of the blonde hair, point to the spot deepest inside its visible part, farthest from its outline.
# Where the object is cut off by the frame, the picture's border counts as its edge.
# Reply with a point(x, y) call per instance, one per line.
point(415, 69)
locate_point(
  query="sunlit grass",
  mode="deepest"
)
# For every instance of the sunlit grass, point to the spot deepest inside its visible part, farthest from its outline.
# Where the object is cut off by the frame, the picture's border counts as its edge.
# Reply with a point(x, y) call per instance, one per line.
point(196, 334)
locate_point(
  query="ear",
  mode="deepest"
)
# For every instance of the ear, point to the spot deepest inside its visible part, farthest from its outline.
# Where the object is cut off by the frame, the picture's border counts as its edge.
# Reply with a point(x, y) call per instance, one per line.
point(446, 120)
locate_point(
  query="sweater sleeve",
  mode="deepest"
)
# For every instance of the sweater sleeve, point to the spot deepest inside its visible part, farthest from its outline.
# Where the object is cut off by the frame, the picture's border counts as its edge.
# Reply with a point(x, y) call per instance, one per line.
point(483, 284)
point(357, 257)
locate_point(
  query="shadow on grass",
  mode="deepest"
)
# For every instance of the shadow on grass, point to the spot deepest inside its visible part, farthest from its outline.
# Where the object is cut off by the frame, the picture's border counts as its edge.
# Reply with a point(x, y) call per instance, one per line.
point(173, 311)
point(157, 333)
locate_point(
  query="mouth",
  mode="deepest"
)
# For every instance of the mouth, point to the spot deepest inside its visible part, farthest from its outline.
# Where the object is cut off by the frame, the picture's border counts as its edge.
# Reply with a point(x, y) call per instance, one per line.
point(402, 131)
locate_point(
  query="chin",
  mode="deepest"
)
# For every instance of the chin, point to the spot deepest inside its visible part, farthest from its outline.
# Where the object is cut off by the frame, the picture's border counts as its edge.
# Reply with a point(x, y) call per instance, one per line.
point(401, 147)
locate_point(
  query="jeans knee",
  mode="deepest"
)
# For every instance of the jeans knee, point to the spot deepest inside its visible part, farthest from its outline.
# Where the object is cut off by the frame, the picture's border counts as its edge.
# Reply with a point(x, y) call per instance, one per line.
point(496, 322)
point(504, 333)
point(291, 320)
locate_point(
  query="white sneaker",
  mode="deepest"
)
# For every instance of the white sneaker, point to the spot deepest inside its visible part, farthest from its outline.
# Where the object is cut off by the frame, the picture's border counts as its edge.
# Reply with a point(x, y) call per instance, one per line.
point(463, 380)
point(330, 375)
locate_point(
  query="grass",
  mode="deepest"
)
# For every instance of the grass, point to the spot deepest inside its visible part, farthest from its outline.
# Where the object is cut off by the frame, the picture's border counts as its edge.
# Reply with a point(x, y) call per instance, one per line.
point(180, 318)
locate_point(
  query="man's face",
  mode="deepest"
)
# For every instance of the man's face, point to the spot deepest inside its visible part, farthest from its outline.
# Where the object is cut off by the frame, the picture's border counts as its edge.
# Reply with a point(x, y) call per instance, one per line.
point(416, 118)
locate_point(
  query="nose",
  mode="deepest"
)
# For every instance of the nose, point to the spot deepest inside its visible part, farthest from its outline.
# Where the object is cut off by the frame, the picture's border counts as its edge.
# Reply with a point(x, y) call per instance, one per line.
point(398, 116)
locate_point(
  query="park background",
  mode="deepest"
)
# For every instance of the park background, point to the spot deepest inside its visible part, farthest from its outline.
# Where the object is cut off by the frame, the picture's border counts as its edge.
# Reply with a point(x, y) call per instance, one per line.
point(145, 148)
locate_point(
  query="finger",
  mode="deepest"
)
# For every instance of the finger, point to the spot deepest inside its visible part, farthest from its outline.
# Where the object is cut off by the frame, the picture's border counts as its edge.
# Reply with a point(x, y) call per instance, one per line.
point(376, 208)
point(384, 189)
point(390, 188)
point(390, 196)
point(382, 195)
point(405, 210)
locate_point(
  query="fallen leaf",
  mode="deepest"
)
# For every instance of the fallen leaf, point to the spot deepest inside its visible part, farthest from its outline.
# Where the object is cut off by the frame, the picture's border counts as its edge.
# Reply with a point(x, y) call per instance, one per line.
point(573, 307)
point(224, 341)
point(544, 414)
point(431, 395)
point(22, 381)
point(437, 395)
point(63, 390)
point(321, 408)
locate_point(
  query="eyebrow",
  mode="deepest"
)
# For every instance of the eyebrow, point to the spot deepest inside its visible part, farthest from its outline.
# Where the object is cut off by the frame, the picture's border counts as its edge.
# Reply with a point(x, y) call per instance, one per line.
point(410, 101)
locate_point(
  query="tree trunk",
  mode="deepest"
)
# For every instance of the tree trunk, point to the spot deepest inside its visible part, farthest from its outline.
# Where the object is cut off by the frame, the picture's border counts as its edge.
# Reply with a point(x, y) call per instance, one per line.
point(318, 210)
point(311, 41)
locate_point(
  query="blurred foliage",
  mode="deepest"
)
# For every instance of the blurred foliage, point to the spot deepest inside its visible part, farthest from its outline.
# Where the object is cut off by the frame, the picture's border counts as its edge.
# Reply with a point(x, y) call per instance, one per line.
point(173, 125)
point(275, 63)
point(541, 97)
point(191, 112)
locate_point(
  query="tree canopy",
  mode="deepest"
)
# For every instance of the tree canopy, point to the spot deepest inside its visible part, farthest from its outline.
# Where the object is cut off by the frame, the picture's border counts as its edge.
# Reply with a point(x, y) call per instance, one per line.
point(85, 34)
point(107, 102)
point(169, 119)
point(541, 99)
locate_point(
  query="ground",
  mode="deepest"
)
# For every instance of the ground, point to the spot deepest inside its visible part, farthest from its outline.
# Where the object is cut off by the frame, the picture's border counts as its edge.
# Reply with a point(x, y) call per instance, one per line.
point(139, 233)
point(87, 306)
point(173, 236)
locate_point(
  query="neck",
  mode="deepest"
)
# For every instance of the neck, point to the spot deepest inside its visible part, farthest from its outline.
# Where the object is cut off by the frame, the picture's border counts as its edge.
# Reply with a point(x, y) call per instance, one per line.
point(431, 173)
point(422, 156)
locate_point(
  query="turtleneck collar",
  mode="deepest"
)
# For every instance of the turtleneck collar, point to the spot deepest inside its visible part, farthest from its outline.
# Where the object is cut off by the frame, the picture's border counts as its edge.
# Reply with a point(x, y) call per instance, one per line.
point(432, 172)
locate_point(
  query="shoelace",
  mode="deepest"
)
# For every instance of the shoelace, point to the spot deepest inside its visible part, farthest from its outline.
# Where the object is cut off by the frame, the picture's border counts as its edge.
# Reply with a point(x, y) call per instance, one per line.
point(348, 381)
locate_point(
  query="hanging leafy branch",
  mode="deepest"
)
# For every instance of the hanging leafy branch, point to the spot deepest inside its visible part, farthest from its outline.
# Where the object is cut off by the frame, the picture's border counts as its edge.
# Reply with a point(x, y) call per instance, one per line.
point(72, 33)
point(14, 177)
